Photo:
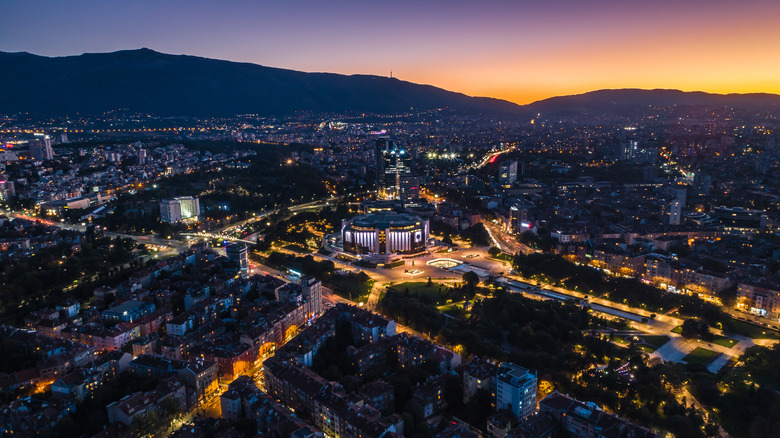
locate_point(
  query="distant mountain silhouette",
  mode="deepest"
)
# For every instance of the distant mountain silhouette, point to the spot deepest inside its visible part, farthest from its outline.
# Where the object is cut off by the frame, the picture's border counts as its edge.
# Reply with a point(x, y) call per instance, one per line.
point(178, 85)
point(632, 99)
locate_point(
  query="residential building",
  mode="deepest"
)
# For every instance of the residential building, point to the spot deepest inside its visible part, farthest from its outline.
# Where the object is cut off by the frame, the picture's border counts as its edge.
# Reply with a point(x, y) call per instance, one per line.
point(516, 390)
point(178, 209)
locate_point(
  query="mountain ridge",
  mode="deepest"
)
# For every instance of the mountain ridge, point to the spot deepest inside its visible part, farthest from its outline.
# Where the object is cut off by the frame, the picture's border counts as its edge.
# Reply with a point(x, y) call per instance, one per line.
point(144, 80)
point(148, 81)
point(616, 100)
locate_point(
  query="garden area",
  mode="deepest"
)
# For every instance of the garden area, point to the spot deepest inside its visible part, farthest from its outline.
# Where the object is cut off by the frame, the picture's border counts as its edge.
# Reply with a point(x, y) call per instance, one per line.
point(701, 357)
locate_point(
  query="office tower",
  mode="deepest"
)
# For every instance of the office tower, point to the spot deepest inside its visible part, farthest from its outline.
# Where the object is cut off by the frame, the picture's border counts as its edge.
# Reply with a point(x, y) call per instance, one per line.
point(702, 183)
point(312, 292)
point(675, 212)
point(629, 150)
point(41, 151)
point(516, 390)
point(237, 256)
point(7, 189)
point(177, 209)
point(392, 164)
point(507, 173)
point(680, 192)
point(410, 187)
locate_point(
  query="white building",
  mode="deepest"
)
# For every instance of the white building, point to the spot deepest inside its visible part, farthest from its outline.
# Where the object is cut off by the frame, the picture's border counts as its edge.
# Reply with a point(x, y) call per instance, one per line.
point(516, 390)
point(177, 209)
point(385, 234)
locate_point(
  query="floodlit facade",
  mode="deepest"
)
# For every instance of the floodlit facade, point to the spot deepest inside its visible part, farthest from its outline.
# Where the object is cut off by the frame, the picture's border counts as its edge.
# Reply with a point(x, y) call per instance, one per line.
point(385, 234)
point(177, 209)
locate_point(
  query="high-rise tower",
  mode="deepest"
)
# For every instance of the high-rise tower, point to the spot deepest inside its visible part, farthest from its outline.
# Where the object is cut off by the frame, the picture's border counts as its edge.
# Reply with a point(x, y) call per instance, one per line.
point(392, 166)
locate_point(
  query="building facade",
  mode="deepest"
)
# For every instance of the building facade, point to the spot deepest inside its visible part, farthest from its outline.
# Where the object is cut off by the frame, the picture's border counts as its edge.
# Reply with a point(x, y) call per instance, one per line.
point(392, 166)
point(177, 209)
point(516, 390)
point(385, 234)
point(507, 172)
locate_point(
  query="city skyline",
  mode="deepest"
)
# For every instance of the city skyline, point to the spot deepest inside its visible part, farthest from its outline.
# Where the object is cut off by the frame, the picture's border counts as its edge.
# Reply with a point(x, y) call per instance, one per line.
point(518, 52)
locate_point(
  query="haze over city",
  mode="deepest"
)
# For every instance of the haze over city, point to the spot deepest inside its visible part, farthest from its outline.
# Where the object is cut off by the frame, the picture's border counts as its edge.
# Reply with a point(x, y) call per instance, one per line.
point(520, 51)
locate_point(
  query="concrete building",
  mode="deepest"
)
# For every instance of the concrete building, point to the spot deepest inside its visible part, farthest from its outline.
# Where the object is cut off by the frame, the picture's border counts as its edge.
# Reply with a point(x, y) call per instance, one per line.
point(312, 293)
point(42, 150)
point(479, 374)
point(507, 172)
point(586, 420)
point(409, 187)
point(516, 390)
point(759, 298)
point(128, 311)
point(675, 212)
point(177, 209)
point(237, 256)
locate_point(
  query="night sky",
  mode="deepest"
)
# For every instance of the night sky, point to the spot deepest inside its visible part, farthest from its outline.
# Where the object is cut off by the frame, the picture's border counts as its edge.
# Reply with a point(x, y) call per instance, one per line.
point(512, 49)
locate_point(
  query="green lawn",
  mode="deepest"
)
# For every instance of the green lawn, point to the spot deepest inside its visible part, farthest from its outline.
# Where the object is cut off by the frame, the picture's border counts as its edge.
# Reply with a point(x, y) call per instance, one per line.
point(724, 341)
point(417, 287)
point(297, 248)
point(647, 348)
point(349, 288)
point(720, 340)
point(753, 331)
point(655, 340)
point(650, 344)
point(701, 356)
point(452, 306)
point(503, 262)
point(421, 290)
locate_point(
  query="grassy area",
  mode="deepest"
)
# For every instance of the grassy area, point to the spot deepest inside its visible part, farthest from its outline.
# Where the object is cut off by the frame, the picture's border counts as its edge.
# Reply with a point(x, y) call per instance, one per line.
point(448, 307)
point(650, 344)
point(297, 248)
point(724, 341)
point(503, 262)
point(753, 331)
point(720, 340)
point(434, 294)
point(351, 289)
point(701, 356)
point(647, 348)
point(452, 306)
point(655, 340)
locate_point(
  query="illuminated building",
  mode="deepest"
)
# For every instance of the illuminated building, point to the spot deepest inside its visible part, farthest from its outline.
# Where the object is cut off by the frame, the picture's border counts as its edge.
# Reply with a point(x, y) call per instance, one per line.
point(392, 166)
point(42, 150)
point(237, 256)
point(385, 234)
point(675, 212)
point(507, 172)
point(177, 209)
point(516, 390)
